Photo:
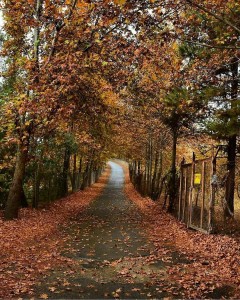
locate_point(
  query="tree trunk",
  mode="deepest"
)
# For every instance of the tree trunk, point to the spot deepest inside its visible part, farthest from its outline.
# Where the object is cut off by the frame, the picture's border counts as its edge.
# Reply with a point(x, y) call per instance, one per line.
point(23, 198)
point(139, 167)
point(36, 188)
point(79, 174)
point(37, 181)
point(154, 177)
point(85, 177)
point(150, 166)
point(90, 174)
point(15, 192)
point(230, 184)
point(74, 174)
point(232, 144)
point(64, 179)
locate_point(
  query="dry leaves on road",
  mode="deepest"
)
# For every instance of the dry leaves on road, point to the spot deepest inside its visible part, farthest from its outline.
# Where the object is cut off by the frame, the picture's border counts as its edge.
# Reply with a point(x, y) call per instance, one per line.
point(31, 245)
point(215, 258)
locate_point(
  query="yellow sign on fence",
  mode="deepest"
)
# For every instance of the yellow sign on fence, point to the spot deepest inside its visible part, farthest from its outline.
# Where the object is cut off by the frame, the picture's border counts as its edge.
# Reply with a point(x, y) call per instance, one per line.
point(197, 178)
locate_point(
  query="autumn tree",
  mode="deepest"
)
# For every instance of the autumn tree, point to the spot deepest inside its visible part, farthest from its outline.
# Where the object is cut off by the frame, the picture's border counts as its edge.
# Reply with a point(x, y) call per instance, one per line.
point(213, 30)
point(44, 49)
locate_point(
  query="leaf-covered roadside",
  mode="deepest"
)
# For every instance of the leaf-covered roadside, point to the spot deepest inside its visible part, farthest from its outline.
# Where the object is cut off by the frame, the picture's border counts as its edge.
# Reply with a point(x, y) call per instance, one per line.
point(31, 245)
point(215, 259)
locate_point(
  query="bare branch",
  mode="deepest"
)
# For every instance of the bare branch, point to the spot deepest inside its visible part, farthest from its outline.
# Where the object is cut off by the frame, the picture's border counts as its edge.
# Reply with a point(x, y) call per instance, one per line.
point(209, 46)
point(227, 22)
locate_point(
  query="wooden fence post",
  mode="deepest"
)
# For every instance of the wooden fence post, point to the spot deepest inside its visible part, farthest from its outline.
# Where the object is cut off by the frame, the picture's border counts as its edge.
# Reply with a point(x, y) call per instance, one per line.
point(212, 196)
point(191, 191)
point(180, 189)
point(203, 192)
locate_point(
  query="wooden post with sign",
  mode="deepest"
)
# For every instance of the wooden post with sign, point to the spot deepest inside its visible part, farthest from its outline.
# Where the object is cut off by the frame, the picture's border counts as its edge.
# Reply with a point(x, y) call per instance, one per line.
point(197, 178)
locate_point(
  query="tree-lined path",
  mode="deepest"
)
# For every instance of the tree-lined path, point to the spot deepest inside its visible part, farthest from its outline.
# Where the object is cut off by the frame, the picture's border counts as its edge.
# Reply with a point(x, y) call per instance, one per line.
point(109, 255)
point(113, 258)
point(153, 82)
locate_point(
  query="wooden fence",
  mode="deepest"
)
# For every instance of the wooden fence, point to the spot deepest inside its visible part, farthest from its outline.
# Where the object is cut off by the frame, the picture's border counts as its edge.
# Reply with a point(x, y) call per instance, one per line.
point(196, 194)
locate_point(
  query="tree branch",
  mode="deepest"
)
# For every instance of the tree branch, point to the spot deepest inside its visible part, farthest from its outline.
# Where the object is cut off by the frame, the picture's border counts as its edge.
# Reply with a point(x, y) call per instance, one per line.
point(60, 24)
point(208, 46)
point(101, 38)
point(227, 22)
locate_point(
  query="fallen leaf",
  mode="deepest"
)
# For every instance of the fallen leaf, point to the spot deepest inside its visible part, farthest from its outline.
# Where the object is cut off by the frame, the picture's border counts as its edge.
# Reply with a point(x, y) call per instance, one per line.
point(136, 290)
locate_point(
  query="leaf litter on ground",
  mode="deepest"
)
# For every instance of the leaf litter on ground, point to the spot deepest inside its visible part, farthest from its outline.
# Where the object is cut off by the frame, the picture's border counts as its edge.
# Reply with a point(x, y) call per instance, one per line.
point(31, 245)
point(213, 260)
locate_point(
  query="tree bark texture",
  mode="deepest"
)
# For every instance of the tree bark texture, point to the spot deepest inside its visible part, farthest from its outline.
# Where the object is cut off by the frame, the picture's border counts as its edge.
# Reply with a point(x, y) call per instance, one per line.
point(15, 192)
